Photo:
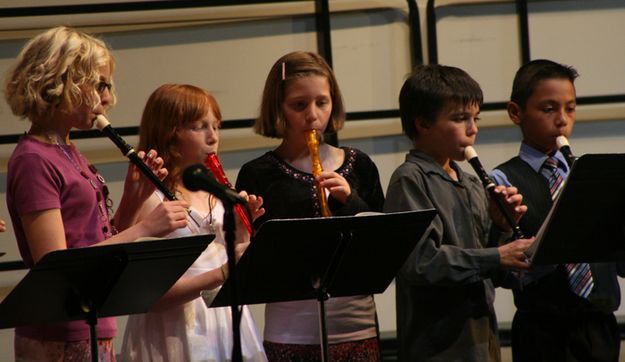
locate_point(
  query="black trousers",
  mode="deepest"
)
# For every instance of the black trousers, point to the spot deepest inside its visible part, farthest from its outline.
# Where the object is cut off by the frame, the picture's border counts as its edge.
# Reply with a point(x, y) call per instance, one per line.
point(574, 337)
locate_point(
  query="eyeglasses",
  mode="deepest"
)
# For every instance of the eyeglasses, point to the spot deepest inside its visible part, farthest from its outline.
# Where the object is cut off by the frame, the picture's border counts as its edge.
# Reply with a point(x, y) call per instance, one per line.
point(102, 86)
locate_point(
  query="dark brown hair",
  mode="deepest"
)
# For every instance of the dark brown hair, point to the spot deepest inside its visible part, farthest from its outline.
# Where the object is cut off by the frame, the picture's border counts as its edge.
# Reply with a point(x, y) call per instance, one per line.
point(429, 89)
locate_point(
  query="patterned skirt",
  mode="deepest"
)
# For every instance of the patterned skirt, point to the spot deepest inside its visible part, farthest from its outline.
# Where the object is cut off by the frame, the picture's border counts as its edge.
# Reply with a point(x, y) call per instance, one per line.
point(366, 350)
point(35, 350)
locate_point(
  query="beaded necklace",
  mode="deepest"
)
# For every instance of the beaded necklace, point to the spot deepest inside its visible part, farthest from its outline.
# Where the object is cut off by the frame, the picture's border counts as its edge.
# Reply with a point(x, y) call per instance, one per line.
point(103, 201)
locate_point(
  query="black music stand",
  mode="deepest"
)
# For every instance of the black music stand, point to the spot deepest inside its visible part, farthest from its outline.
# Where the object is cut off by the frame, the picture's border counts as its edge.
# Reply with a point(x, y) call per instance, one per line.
point(319, 258)
point(587, 221)
point(99, 281)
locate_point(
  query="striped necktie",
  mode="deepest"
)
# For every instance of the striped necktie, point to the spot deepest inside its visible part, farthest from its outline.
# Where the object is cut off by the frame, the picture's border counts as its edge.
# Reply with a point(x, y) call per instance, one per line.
point(579, 274)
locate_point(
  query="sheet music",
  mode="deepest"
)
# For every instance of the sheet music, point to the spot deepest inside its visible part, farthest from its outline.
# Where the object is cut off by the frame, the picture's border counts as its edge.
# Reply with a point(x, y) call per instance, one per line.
point(369, 213)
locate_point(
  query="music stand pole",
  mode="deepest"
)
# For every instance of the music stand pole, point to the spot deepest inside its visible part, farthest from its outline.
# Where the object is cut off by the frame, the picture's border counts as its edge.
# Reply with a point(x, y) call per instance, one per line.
point(322, 289)
point(230, 236)
point(92, 320)
point(87, 301)
point(322, 296)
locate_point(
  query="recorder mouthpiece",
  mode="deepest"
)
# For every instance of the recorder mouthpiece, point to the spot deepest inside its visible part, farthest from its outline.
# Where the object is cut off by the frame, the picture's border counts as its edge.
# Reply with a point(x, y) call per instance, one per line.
point(101, 122)
point(561, 141)
point(469, 153)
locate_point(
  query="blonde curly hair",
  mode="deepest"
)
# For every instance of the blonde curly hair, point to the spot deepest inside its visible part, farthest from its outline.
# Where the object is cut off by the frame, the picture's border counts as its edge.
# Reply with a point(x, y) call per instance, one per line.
point(58, 70)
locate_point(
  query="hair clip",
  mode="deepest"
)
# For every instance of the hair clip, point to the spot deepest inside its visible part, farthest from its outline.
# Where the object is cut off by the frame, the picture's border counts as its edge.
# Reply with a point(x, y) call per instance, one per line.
point(283, 70)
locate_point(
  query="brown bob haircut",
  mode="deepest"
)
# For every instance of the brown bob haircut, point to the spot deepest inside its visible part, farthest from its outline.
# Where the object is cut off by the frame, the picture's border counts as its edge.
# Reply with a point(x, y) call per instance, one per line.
point(271, 122)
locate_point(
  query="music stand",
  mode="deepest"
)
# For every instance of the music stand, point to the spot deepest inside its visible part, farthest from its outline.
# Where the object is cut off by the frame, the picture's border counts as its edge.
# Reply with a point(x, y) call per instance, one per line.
point(585, 223)
point(319, 258)
point(100, 281)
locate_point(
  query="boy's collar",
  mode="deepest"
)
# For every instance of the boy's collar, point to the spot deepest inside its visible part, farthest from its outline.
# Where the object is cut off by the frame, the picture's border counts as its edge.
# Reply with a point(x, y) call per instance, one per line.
point(431, 166)
point(536, 158)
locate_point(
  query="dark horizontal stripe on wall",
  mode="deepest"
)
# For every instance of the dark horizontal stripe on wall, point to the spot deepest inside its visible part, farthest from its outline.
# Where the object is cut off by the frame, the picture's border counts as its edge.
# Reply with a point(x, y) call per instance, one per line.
point(12, 265)
point(124, 131)
point(76, 135)
point(616, 98)
point(493, 106)
point(365, 115)
point(122, 7)
point(584, 100)
point(351, 116)
point(237, 123)
point(94, 133)
point(229, 124)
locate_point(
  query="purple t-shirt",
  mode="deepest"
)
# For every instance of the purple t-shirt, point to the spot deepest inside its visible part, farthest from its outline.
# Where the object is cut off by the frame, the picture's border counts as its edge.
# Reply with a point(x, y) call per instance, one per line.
point(41, 177)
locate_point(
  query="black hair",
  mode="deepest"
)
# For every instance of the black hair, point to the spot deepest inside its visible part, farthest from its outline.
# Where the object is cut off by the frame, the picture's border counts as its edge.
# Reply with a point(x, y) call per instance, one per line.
point(530, 74)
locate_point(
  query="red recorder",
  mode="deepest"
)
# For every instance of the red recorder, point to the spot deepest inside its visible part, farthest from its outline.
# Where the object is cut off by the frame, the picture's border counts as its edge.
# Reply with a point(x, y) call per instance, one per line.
point(212, 163)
